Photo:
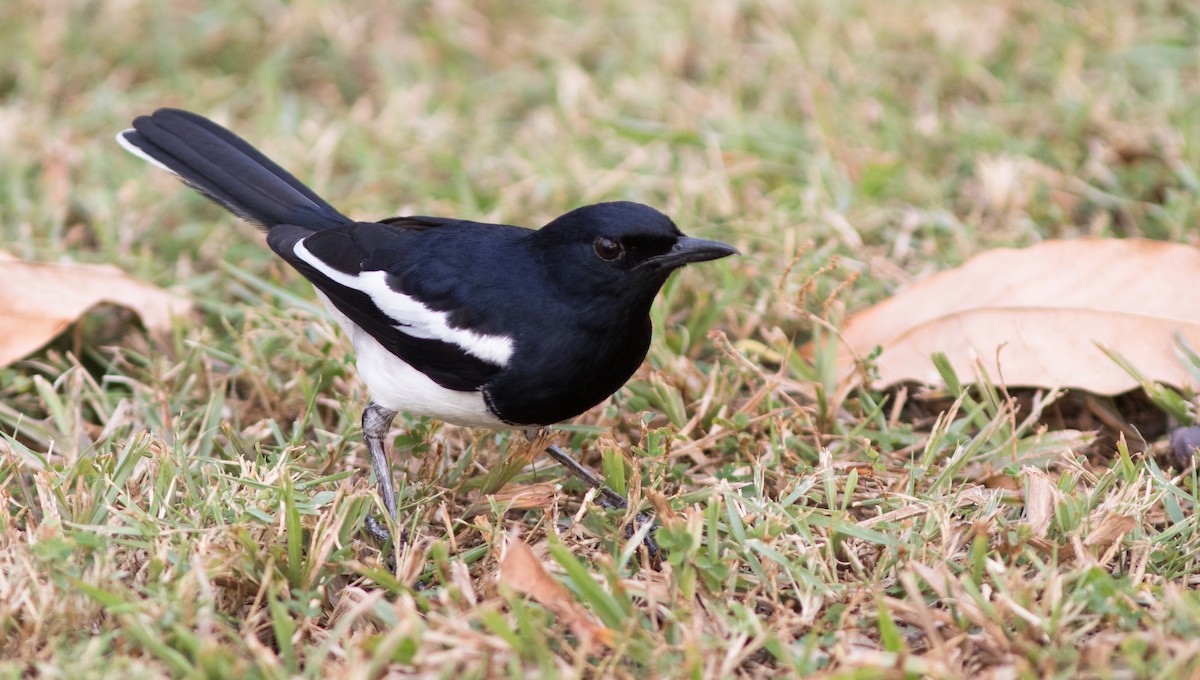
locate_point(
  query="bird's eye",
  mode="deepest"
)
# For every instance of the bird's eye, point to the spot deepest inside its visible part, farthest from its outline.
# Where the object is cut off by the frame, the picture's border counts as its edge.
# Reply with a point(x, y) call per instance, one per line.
point(608, 249)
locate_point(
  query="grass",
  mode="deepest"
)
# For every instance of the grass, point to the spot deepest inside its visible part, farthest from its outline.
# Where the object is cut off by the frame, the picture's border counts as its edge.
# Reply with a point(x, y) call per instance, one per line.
point(192, 506)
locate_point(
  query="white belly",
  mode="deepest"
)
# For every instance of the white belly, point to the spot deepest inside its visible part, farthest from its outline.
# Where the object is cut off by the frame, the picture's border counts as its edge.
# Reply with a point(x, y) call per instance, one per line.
point(397, 386)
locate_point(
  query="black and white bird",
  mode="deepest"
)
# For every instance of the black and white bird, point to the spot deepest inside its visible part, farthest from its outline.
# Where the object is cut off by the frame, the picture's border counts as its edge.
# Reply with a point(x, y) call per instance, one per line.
point(483, 325)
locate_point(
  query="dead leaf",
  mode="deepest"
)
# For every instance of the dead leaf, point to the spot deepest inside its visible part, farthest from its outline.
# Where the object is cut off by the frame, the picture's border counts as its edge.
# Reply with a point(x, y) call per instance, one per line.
point(534, 495)
point(662, 508)
point(521, 570)
point(1044, 313)
point(460, 576)
point(1112, 529)
point(1041, 497)
point(38, 300)
point(999, 480)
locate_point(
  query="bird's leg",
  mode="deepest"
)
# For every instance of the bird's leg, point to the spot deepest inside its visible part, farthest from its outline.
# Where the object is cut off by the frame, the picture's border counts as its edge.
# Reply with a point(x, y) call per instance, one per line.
point(376, 422)
point(606, 496)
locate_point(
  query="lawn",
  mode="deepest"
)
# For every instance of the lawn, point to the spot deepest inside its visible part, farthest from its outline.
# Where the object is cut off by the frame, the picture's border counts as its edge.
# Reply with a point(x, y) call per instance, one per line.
point(191, 505)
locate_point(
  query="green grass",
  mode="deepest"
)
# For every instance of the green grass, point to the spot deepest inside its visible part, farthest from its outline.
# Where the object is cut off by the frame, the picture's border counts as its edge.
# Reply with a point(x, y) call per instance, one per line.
point(193, 507)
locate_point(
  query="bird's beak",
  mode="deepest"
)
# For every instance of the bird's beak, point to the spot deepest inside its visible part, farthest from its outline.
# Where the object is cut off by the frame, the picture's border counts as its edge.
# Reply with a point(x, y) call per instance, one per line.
point(687, 250)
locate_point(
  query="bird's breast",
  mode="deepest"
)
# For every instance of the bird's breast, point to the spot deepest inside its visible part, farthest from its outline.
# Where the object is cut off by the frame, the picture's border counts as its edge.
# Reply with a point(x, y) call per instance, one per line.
point(557, 376)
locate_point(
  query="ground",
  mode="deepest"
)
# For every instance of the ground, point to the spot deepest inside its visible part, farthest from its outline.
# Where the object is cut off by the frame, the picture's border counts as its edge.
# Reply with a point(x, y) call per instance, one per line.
point(191, 505)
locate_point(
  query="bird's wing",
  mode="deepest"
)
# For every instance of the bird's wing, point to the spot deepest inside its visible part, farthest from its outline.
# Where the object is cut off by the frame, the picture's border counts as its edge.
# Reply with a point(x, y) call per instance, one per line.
point(424, 222)
point(419, 222)
point(372, 273)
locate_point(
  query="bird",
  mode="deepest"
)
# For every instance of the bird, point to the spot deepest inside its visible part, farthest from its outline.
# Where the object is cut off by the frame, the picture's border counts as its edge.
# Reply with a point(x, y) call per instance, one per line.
point(474, 324)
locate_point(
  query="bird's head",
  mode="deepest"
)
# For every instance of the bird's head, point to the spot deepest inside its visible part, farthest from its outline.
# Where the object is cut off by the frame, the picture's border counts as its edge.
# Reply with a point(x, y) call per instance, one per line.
point(621, 250)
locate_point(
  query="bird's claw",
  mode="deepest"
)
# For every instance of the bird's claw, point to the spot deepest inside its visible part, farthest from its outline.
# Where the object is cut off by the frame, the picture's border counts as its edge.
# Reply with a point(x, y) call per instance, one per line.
point(376, 530)
point(379, 532)
point(612, 500)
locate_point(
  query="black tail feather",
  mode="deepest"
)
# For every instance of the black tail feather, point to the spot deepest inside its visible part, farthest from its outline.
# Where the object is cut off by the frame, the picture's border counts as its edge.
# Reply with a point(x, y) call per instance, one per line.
point(228, 170)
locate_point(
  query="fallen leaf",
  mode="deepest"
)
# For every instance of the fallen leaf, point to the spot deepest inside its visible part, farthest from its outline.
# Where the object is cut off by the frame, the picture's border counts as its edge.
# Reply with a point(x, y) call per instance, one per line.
point(1041, 496)
point(521, 570)
point(38, 300)
point(531, 496)
point(1110, 530)
point(1041, 316)
point(460, 576)
point(999, 480)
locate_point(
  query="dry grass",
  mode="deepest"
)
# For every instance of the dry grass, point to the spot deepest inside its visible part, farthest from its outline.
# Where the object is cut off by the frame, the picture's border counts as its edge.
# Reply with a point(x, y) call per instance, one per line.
point(193, 508)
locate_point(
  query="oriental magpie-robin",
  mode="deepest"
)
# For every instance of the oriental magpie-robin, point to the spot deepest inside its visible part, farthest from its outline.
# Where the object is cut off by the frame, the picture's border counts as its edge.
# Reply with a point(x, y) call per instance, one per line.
point(484, 325)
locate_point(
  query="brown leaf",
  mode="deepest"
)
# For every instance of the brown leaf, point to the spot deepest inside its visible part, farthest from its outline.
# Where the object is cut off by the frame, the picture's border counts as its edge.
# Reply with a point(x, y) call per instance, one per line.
point(1044, 312)
point(1112, 529)
point(521, 570)
point(534, 495)
point(1000, 480)
point(1041, 496)
point(38, 300)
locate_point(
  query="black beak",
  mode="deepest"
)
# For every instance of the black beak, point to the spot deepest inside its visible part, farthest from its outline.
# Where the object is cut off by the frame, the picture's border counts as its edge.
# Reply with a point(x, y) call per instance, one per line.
point(687, 250)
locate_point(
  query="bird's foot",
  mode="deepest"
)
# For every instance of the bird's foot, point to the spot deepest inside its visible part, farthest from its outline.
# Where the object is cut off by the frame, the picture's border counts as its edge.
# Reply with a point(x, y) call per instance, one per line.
point(607, 498)
point(611, 500)
point(379, 532)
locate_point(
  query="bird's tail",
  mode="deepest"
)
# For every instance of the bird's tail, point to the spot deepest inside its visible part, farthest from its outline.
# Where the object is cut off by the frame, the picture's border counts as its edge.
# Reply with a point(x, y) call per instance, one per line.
point(227, 169)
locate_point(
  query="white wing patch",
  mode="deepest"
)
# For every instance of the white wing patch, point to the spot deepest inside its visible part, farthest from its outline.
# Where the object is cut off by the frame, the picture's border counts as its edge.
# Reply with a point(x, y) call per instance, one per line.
point(410, 316)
